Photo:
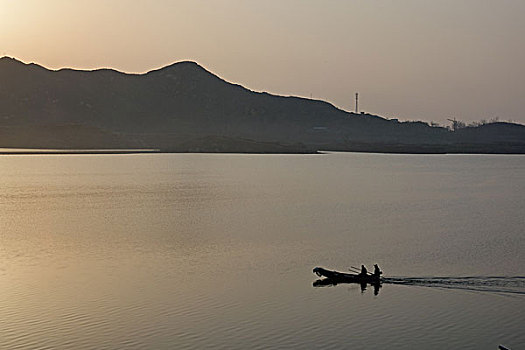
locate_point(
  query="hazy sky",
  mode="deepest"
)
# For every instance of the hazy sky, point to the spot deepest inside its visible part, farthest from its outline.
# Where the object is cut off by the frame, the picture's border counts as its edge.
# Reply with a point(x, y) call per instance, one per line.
point(411, 59)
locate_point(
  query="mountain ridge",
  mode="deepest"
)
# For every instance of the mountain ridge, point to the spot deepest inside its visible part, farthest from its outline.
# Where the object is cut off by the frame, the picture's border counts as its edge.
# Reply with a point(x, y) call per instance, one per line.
point(183, 104)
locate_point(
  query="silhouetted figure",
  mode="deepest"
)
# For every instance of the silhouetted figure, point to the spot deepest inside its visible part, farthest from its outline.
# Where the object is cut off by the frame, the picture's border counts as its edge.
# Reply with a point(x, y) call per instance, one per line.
point(377, 271)
point(364, 271)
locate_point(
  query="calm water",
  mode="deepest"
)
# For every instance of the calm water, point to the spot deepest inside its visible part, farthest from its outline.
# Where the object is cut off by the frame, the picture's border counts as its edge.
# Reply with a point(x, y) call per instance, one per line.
point(186, 251)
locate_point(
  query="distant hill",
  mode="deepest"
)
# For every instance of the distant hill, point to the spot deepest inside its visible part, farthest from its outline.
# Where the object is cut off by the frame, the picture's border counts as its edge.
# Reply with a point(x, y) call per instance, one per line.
point(183, 107)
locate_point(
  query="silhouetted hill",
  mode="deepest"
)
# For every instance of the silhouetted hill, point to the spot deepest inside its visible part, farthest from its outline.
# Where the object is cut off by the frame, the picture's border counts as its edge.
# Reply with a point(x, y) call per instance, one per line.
point(492, 133)
point(184, 107)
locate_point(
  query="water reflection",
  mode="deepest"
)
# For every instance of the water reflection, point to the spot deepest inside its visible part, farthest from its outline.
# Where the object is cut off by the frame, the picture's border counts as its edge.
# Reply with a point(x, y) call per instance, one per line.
point(328, 282)
point(486, 284)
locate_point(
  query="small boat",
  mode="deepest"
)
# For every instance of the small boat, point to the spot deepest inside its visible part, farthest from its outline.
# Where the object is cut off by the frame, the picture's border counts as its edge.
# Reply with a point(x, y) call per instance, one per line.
point(342, 277)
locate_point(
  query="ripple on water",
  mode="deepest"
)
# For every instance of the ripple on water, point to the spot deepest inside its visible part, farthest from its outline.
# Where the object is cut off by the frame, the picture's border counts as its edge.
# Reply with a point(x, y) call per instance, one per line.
point(490, 284)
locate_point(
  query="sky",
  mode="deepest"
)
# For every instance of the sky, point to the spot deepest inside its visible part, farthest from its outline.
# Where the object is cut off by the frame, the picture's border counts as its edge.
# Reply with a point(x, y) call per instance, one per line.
point(408, 59)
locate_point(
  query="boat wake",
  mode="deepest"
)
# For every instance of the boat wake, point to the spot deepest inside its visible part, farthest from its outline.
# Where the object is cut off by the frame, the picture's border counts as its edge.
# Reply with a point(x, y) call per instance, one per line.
point(490, 284)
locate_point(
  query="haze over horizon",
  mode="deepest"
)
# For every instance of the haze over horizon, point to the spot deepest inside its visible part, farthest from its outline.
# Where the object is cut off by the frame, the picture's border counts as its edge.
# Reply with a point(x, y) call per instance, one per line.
point(413, 60)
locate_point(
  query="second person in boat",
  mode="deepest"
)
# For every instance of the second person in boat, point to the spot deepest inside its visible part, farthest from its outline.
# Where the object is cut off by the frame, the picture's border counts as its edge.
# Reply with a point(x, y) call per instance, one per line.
point(377, 272)
point(364, 271)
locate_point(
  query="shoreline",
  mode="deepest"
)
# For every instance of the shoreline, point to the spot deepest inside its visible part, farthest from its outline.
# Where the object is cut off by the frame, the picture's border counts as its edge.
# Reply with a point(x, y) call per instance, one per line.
point(36, 151)
point(320, 151)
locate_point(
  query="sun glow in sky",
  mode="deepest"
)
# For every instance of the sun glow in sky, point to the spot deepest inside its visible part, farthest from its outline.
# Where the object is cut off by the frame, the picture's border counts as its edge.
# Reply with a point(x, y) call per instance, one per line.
point(410, 59)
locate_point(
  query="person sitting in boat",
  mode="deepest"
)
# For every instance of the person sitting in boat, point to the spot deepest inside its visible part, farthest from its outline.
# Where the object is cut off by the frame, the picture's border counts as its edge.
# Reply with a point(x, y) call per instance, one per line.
point(377, 271)
point(364, 271)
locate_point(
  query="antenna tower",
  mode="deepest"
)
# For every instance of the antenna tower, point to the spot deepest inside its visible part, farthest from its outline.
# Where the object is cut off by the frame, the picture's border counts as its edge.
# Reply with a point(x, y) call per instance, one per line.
point(357, 103)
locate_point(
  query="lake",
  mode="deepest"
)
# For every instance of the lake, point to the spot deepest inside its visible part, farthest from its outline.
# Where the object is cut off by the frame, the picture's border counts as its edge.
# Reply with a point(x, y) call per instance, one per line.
point(214, 251)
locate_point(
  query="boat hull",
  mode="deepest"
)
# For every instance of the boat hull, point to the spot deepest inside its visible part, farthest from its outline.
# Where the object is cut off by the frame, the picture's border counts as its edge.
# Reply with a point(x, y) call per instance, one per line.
point(346, 277)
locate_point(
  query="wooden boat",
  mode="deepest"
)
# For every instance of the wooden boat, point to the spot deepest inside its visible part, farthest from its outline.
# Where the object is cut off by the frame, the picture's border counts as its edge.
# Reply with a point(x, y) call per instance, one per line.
point(342, 277)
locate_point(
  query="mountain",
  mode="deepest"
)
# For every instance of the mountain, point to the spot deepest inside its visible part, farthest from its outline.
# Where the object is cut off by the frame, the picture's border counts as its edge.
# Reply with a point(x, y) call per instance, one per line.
point(183, 107)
